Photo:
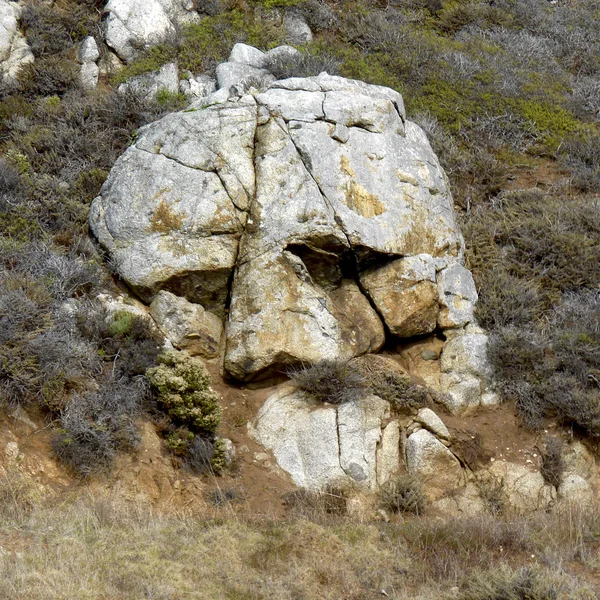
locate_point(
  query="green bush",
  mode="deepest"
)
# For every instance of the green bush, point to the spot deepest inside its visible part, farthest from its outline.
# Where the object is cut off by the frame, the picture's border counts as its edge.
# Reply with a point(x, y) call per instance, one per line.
point(182, 384)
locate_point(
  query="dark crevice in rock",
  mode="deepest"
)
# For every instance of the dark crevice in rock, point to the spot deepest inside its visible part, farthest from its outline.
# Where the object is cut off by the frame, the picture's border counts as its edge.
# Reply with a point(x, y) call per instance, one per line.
point(206, 288)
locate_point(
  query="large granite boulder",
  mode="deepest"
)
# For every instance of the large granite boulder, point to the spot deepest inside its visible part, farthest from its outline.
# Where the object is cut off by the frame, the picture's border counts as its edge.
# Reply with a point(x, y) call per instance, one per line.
point(320, 445)
point(307, 212)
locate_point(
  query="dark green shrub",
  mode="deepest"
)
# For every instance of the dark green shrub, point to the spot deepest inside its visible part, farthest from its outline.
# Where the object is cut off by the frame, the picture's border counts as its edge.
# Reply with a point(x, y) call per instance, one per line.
point(48, 76)
point(552, 462)
point(182, 386)
point(403, 495)
point(52, 31)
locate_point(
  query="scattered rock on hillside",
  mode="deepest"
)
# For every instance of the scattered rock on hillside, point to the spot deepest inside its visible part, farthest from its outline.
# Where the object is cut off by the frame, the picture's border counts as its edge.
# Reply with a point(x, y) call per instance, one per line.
point(14, 50)
point(523, 490)
point(146, 86)
point(88, 56)
point(432, 423)
point(133, 25)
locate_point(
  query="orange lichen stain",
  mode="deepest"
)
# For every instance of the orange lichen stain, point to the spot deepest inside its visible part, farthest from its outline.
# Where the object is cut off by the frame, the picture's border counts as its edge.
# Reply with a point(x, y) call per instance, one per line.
point(165, 220)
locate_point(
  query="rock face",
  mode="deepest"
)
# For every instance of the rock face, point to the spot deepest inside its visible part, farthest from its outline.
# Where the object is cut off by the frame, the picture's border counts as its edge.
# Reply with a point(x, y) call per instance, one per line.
point(308, 212)
point(321, 444)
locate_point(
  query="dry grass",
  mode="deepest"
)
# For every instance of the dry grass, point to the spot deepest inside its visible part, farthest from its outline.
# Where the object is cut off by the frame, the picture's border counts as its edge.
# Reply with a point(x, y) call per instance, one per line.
point(98, 548)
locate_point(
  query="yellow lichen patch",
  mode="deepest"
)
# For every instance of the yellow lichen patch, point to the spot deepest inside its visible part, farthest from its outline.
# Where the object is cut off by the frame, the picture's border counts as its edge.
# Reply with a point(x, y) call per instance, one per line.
point(165, 220)
point(362, 201)
point(345, 166)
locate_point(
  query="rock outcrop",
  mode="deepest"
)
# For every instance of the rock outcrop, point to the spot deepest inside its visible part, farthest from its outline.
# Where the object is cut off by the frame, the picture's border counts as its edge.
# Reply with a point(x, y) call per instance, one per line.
point(307, 212)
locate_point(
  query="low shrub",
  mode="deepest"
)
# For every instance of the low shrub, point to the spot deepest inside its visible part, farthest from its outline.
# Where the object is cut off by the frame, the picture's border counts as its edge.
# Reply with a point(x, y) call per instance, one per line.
point(50, 30)
point(304, 65)
point(386, 379)
point(533, 583)
point(554, 370)
point(95, 426)
point(48, 76)
point(333, 381)
point(331, 500)
point(403, 495)
point(183, 389)
point(129, 341)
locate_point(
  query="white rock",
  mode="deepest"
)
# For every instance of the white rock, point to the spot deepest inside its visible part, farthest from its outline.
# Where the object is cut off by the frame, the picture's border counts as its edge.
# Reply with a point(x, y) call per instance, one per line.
point(133, 25)
point(89, 72)
point(88, 50)
point(296, 27)
point(574, 488)
point(319, 445)
point(388, 453)
point(148, 85)
point(524, 490)
point(19, 55)
point(457, 296)
point(433, 423)
point(247, 55)
point(9, 13)
point(198, 87)
point(239, 78)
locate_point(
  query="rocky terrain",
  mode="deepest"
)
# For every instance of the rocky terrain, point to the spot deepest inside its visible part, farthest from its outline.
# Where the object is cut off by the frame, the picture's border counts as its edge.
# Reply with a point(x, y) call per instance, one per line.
point(269, 285)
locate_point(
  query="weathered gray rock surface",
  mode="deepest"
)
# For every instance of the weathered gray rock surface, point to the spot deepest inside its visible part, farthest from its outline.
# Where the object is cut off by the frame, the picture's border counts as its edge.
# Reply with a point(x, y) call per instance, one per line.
point(306, 211)
point(322, 444)
point(433, 463)
point(187, 326)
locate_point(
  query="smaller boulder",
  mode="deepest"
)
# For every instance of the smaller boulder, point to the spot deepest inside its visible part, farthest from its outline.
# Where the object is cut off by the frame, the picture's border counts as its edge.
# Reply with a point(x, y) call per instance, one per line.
point(187, 326)
point(432, 423)
point(405, 294)
point(88, 50)
point(457, 296)
point(433, 464)
point(296, 27)
point(148, 85)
